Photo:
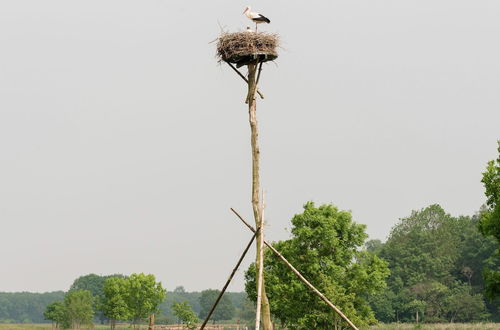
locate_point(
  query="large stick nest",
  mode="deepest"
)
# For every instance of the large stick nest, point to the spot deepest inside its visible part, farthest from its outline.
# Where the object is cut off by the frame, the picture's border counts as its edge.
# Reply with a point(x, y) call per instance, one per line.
point(242, 48)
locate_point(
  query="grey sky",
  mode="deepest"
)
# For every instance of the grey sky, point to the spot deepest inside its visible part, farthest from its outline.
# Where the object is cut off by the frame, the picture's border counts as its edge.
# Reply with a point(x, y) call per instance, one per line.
point(123, 144)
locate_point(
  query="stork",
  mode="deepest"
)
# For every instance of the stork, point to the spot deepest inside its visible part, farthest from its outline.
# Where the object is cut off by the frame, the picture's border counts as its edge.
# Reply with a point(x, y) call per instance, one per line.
point(255, 17)
point(249, 30)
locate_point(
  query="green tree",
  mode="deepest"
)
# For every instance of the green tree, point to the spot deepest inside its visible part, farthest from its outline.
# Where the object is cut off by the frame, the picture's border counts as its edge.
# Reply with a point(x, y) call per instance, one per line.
point(94, 283)
point(490, 221)
point(374, 246)
point(431, 297)
point(430, 253)
point(114, 303)
point(423, 247)
point(224, 310)
point(55, 312)
point(26, 307)
point(78, 307)
point(324, 247)
point(90, 282)
point(475, 253)
point(144, 295)
point(185, 313)
point(463, 306)
point(422, 251)
point(416, 307)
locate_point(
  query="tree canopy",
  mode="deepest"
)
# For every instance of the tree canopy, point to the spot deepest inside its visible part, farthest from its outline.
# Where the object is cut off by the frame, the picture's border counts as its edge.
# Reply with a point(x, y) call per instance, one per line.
point(26, 307)
point(490, 221)
point(144, 295)
point(224, 310)
point(324, 247)
point(55, 312)
point(114, 303)
point(95, 284)
point(436, 261)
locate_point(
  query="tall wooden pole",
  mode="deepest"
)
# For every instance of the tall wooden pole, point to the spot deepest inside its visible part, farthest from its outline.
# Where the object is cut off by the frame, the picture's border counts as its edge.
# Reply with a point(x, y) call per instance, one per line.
point(259, 262)
point(260, 273)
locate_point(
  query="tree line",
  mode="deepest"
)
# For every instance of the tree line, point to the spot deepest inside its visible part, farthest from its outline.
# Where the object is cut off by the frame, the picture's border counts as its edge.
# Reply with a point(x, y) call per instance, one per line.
point(26, 307)
point(434, 267)
point(133, 298)
point(437, 264)
point(106, 300)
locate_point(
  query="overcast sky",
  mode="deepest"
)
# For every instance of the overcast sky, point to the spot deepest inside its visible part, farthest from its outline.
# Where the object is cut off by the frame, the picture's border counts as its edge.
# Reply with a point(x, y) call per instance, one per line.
point(123, 143)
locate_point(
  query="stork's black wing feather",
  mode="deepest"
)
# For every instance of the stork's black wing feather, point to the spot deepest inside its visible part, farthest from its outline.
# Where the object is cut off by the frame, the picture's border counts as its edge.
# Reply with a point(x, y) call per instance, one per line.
point(261, 18)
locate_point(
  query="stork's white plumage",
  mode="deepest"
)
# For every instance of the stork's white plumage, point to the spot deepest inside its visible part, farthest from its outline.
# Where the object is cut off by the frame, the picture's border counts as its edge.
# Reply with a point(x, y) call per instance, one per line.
point(255, 17)
point(249, 30)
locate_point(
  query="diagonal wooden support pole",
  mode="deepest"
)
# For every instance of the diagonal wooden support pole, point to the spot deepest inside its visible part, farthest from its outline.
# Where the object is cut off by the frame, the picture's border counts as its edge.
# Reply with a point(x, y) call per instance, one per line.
point(299, 275)
point(228, 281)
point(244, 78)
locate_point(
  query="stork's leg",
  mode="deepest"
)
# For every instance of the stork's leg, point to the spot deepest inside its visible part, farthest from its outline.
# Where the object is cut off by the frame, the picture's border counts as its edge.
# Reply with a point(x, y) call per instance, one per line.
point(256, 27)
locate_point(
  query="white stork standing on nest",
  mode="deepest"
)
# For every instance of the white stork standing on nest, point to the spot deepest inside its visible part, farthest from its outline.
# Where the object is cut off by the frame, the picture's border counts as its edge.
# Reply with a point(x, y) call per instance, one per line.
point(255, 17)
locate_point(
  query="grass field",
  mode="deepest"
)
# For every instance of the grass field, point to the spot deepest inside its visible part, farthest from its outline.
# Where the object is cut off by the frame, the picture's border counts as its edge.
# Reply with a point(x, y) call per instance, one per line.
point(441, 326)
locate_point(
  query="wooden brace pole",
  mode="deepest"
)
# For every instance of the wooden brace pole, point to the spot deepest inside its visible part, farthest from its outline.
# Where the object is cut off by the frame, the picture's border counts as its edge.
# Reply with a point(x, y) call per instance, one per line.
point(251, 93)
point(261, 262)
point(228, 281)
point(244, 78)
point(299, 275)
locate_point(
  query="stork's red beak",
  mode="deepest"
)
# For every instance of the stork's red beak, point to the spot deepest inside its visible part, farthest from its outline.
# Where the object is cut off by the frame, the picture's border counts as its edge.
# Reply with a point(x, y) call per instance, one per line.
point(244, 11)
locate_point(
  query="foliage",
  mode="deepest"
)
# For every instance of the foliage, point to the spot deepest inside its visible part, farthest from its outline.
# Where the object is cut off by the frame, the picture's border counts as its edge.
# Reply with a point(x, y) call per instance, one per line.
point(435, 326)
point(55, 312)
point(325, 248)
point(383, 305)
point(238, 300)
point(475, 253)
point(90, 282)
point(26, 307)
point(180, 290)
point(193, 298)
point(144, 295)
point(436, 263)
point(184, 312)
point(374, 246)
point(423, 247)
point(114, 303)
point(223, 311)
point(490, 221)
point(78, 308)
point(462, 306)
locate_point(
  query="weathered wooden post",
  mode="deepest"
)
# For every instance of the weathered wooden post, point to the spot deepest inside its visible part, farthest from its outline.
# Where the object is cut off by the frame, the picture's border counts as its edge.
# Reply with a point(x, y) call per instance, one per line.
point(253, 49)
point(151, 325)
